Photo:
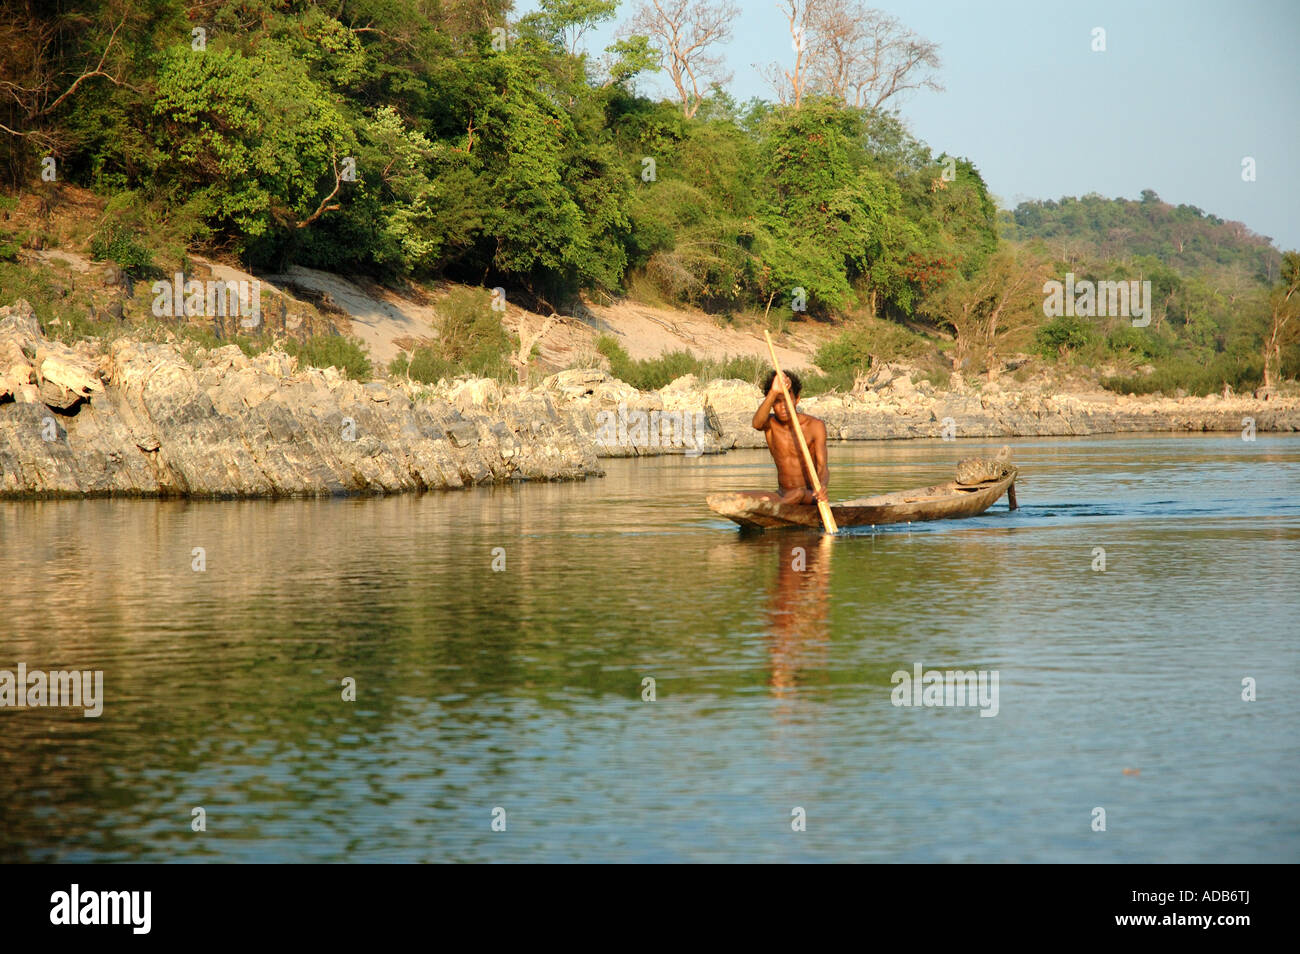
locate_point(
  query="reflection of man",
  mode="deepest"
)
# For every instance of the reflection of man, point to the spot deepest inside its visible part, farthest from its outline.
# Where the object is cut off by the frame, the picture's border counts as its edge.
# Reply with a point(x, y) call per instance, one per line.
point(798, 609)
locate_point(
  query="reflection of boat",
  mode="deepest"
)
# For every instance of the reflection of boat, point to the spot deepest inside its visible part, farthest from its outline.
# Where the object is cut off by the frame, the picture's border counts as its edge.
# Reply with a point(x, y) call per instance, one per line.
point(940, 502)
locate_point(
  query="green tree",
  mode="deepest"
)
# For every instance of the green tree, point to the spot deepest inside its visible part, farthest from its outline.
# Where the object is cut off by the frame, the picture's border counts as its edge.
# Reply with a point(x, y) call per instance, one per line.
point(1002, 297)
point(251, 137)
point(1284, 307)
point(827, 217)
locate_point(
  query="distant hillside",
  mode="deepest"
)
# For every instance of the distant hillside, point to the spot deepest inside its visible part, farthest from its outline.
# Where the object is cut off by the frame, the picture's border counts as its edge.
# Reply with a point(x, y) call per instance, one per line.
point(1182, 237)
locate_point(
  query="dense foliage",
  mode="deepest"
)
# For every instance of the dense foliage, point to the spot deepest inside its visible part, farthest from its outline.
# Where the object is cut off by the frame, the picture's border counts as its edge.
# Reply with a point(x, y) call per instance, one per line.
point(452, 139)
point(1182, 238)
point(411, 138)
point(1217, 292)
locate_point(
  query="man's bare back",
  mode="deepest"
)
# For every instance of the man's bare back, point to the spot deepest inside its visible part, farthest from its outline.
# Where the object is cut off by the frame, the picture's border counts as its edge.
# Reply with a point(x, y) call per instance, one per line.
point(773, 419)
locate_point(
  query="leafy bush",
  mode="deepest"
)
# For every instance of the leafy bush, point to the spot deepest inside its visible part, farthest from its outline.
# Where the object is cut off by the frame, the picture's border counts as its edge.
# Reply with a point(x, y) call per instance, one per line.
point(115, 243)
point(1137, 341)
point(851, 352)
point(10, 242)
point(852, 349)
point(941, 378)
point(1241, 372)
point(840, 380)
point(470, 341)
point(651, 374)
point(51, 299)
point(470, 333)
point(741, 368)
point(423, 364)
point(194, 337)
point(204, 337)
point(1061, 335)
point(331, 351)
point(135, 232)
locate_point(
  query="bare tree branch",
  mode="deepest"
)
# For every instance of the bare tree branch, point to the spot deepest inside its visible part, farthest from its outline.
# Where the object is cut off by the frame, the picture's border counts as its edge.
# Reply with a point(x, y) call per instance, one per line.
point(325, 202)
point(97, 71)
point(683, 31)
point(526, 344)
point(853, 52)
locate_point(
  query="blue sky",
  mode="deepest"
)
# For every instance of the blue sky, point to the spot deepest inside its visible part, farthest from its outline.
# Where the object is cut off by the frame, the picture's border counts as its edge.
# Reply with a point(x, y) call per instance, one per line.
point(1182, 93)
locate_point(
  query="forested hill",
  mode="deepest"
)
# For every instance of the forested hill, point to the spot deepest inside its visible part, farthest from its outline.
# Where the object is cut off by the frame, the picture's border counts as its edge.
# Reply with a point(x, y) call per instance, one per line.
point(458, 140)
point(1182, 237)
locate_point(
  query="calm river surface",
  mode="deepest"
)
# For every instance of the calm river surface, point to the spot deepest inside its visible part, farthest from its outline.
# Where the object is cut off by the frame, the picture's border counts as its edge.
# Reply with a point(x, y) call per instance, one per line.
point(522, 690)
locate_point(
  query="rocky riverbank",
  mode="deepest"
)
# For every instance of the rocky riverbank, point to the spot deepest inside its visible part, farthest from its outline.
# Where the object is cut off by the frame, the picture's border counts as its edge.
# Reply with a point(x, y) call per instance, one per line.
point(141, 418)
point(889, 406)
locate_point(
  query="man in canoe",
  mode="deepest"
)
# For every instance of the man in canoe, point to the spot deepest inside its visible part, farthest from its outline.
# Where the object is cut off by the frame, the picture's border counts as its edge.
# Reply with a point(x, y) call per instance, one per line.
point(773, 419)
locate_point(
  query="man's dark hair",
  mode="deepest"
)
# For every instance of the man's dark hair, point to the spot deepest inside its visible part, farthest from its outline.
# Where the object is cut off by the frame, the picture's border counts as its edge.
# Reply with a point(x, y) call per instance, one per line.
point(795, 384)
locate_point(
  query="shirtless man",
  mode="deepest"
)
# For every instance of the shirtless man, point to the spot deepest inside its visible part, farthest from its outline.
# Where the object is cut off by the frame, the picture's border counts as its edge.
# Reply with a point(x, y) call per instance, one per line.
point(773, 419)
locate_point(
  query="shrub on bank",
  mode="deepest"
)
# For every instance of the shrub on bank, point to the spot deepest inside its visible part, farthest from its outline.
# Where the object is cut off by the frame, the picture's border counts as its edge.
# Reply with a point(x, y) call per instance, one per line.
point(840, 381)
point(331, 351)
point(1141, 342)
point(470, 341)
point(1062, 335)
point(651, 374)
point(115, 244)
point(1240, 372)
point(854, 347)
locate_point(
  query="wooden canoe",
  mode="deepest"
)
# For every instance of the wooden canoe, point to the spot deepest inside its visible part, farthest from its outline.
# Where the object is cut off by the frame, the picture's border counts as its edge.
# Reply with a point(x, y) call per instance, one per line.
point(940, 502)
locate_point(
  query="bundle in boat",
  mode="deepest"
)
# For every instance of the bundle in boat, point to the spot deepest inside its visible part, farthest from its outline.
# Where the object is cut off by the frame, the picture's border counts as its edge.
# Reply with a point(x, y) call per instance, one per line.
point(980, 482)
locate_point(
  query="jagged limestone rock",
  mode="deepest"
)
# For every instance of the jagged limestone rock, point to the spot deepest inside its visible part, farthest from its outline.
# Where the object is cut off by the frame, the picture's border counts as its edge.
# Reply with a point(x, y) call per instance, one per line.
point(140, 419)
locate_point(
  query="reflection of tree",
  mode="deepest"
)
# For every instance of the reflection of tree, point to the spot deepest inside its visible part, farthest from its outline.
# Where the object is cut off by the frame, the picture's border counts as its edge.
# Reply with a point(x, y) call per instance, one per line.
point(222, 687)
point(798, 609)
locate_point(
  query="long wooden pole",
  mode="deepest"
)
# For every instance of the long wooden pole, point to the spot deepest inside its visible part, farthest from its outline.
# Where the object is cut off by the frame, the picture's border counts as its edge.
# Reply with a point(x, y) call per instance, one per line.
point(828, 519)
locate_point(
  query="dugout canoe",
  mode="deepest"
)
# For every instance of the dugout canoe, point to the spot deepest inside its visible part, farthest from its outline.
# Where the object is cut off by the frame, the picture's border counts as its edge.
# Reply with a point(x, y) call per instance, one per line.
point(940, 502)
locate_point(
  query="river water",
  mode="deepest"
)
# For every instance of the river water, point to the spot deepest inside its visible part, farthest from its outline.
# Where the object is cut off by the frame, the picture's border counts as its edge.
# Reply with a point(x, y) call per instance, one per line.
point(517, 697)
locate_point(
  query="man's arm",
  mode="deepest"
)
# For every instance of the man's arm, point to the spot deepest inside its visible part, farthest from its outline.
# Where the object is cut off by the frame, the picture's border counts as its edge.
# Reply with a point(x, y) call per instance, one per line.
point(797, 495)
point(817, 447)
point(763, 416)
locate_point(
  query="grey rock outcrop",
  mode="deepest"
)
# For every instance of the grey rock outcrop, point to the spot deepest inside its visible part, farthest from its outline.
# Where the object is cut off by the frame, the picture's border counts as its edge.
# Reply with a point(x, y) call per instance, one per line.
point(140, 419)
point(620, 421)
